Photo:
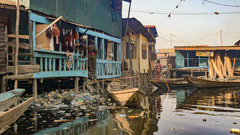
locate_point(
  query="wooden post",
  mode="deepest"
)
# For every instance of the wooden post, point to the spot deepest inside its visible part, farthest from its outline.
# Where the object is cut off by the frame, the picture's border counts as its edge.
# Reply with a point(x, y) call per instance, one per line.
point(17, 44)
point(139, 80)
point(76, 85)
point(171, 40)
point(3, 84)
point(84, 85)
point(144, 79)
point(234, 62)
point(35, 89)
point(103, 84)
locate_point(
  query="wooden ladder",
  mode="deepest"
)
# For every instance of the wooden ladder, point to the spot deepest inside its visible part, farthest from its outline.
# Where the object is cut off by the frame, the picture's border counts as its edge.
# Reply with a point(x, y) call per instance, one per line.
point(90, 85)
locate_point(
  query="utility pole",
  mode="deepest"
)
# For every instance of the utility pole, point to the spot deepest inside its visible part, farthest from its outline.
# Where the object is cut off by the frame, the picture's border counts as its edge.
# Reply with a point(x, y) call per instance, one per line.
point(171, 40)
point(17, 45)
point(127, 31)
point(221, 37)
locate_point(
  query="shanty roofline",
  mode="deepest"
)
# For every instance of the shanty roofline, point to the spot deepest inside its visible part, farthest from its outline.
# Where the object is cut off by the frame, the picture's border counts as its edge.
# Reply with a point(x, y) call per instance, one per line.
point(10, 2)
point(153, 29)
point(205, 48)
point(137, 27)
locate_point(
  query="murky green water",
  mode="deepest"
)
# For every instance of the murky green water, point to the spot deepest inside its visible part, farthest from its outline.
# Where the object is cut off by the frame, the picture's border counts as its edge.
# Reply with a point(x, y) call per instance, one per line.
point(181, 112)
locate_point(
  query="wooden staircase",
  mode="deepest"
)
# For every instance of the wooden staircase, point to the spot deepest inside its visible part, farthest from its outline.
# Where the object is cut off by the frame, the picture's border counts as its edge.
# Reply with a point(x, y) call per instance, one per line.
point(93, 85)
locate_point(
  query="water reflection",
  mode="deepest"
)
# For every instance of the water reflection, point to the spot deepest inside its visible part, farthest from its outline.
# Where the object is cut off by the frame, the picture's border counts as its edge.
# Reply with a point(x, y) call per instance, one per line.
point(181, 111)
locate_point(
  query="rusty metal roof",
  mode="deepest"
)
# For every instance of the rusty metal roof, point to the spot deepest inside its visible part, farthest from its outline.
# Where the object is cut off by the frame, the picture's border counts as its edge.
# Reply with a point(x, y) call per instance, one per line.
point(137, 27)
point(206, 48)
point(11, 4)
point(7, 2)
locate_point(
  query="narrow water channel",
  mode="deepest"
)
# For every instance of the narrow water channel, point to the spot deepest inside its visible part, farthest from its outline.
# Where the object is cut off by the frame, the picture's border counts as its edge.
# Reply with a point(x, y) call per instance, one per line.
point(182, 112)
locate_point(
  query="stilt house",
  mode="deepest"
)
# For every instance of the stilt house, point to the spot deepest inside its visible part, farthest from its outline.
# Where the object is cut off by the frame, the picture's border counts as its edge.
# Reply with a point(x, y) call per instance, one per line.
point(40, 59)
point(135, 45)
point(212, 61)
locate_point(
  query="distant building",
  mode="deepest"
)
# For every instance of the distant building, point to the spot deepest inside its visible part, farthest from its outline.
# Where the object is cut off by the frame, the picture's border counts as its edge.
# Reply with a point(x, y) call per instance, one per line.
point(167, 57)
point(195, 59)
point(140, 39)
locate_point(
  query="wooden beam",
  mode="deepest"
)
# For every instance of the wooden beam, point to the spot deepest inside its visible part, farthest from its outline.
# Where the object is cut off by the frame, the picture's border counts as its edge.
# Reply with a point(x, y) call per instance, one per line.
point(21, 45)
point(20, 36)
point(19, 77)
point(48, 26)
point(217, 70)
point(23, 69)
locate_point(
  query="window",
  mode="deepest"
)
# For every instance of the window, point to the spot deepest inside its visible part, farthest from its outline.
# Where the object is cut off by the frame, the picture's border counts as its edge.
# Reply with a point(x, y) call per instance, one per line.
point(144, 51)
point(133, 51)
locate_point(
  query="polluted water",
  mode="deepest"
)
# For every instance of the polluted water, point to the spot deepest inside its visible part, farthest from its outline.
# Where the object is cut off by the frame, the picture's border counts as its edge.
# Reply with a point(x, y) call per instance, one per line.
point(183, 111)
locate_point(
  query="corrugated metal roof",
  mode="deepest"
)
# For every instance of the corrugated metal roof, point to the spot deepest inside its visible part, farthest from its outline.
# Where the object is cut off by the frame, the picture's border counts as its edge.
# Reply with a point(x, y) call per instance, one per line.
point(12, 4)
point(153, 29)
point(206, 48)
point(137, 27)
point(7, 2)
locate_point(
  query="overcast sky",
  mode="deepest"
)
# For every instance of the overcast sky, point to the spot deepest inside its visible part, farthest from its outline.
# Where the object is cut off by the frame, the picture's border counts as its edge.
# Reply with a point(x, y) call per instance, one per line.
point(189, 29)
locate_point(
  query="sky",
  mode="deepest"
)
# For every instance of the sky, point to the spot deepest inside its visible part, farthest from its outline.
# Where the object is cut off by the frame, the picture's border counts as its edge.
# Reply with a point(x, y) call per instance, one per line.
point(189, 29)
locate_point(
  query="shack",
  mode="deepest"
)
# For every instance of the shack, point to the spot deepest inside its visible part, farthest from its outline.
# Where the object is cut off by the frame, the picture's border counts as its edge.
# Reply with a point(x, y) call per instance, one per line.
point(202, 59)
point(136, 53)
point(45, 56)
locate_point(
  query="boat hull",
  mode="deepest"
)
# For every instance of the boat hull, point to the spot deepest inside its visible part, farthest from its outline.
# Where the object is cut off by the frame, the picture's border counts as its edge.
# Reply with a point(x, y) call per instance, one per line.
point(172, 83)
point(124, 94)
point(9, 98)
point(206, 83)
point(10, 116)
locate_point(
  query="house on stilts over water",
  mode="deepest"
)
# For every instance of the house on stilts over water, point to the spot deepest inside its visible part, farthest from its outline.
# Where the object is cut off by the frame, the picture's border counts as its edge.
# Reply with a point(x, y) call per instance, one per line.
point(211, 61)
point(53, 40)
point(138, 46)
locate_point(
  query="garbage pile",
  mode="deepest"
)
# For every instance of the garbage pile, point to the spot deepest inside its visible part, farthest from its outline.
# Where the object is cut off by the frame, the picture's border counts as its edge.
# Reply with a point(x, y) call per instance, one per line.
point(63, 98)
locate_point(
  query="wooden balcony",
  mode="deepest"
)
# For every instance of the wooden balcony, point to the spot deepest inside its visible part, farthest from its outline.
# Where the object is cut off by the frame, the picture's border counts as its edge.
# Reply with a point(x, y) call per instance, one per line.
point(55, 64)
point(108, 69)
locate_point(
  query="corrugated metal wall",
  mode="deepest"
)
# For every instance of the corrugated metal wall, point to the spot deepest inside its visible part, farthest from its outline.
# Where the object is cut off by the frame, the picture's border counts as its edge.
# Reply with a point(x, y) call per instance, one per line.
point(94, 13)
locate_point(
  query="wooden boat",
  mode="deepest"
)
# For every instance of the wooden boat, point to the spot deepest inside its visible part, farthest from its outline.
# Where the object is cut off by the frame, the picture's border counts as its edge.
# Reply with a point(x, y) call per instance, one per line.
point(9, 98)
point(174, 82)
point(10, 116)
point(203, 82)
point(124, 94)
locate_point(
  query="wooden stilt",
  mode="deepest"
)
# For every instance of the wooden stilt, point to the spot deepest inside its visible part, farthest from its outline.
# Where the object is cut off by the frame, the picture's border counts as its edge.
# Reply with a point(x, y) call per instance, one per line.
point(139, 80)
point(103, 85)
point(76, 85)
point(35, 89)
point(3, 84)
point(84, 85)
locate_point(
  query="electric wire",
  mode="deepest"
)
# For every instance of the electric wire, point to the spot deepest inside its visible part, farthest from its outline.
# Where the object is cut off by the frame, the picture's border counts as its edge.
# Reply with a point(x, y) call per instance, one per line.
point(220, 4)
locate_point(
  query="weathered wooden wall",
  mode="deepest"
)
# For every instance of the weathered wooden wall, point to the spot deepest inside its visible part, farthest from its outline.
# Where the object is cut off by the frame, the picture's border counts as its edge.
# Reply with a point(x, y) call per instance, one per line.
point(3, 40)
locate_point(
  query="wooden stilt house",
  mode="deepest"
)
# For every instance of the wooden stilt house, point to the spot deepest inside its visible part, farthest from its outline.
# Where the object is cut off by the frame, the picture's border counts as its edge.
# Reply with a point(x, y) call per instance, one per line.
point(40, 59)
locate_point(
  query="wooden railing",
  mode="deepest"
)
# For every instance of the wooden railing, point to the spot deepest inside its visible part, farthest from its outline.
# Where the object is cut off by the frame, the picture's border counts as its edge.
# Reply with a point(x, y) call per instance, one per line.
point(56, 64)
point(108, 69)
